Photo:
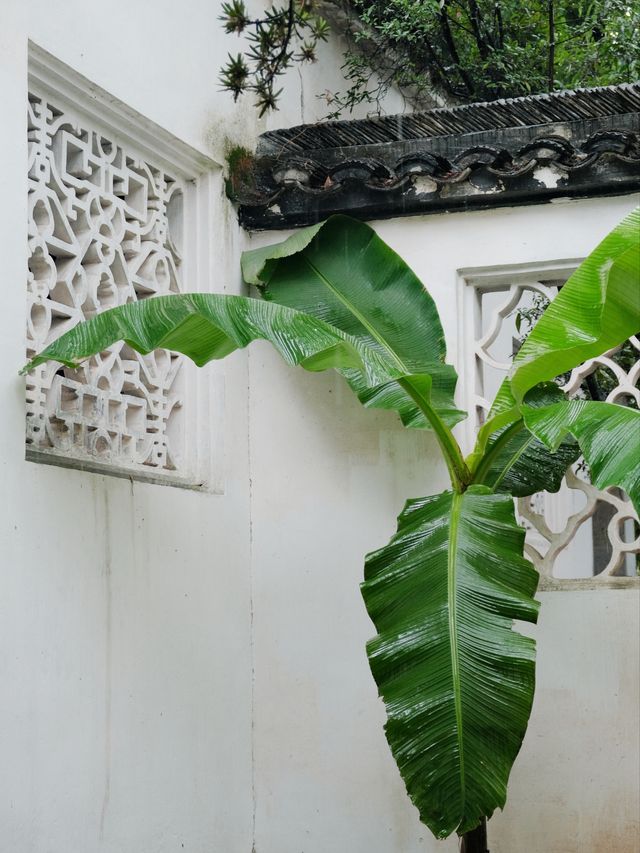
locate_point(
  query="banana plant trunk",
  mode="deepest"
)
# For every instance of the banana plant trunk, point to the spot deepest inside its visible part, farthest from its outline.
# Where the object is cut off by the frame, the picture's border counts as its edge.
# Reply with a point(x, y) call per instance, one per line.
point(476, 840)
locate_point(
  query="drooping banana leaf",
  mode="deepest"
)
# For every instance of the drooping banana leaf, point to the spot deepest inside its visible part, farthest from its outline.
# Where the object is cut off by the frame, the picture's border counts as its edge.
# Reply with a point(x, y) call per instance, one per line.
point(525, 465)
point(608, 435)
point(518, 463)
point(597, 309)
point(456, 679)
point(210, 326)
point(344, 274)
point(437, 387)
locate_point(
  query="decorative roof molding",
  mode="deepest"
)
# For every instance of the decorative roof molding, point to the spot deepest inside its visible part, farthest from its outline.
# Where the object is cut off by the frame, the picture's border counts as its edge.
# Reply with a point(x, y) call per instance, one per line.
point(516, 151)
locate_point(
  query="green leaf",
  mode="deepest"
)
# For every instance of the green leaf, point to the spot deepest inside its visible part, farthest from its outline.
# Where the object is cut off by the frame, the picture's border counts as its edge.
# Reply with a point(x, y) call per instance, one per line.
point(456, 680)
point(210, 326)
point(259, 264)
point(526, 466)
point(437, 387)
point(498, 421)
point(518, 463)
point(206, 326)
point(597, 309)
point(343, 273)
point(608, 435)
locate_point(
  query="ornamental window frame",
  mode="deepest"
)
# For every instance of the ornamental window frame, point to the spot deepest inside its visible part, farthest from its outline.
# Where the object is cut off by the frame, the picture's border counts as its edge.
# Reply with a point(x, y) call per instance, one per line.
point(200, 179)
point(472, 283)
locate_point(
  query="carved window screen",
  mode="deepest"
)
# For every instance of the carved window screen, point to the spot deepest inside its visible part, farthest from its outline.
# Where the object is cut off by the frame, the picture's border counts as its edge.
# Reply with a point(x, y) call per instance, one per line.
point(105, 229)
point(580, 535)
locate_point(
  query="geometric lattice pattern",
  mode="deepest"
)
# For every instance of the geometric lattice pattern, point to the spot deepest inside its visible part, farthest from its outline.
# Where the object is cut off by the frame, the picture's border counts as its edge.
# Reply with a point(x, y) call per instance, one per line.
point(581, 531)
point(102, 229)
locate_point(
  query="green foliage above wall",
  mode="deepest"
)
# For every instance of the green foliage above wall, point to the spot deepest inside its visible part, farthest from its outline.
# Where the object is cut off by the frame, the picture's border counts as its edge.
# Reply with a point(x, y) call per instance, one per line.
point(467, 50)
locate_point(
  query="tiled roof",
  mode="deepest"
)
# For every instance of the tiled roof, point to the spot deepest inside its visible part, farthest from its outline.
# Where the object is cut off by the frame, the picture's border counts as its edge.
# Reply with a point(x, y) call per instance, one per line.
point(516, 151)
point(567, 105)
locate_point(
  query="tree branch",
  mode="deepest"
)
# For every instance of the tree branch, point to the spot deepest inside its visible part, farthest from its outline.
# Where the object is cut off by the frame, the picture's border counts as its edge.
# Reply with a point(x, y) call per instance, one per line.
point(453, 50)
point(552, 48)
point(476, 23)
point(291, 15)
point(499, 25)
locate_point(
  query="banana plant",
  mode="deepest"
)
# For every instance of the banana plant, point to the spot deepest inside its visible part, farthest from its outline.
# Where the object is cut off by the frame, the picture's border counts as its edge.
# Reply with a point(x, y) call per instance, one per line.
point(456, 678)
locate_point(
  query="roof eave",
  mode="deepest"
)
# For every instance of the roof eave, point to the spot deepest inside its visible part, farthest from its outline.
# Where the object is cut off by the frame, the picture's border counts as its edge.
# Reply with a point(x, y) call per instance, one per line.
point(576, 144)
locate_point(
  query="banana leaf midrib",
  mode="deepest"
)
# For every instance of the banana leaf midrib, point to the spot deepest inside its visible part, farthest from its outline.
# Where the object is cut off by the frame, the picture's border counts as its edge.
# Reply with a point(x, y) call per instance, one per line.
point(452, 614)
point(375, 334)
point(456, 465)
point(512, 461)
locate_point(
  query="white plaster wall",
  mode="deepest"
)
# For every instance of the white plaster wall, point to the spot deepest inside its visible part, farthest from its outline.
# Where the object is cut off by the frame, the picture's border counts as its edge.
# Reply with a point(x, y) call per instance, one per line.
point(125, 724)
point(328, 480)
point(125, 608)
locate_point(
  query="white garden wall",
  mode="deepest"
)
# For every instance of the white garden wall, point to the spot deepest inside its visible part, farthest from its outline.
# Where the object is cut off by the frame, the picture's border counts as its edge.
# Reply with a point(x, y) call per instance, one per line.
point(185, 669)
point(122, 657)
point(328, 480)
point(126, 606)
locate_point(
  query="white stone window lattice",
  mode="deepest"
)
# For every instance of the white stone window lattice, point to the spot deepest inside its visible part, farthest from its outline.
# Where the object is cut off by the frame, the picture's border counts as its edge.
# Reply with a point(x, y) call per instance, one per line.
point(104, 230)
point(581, 532)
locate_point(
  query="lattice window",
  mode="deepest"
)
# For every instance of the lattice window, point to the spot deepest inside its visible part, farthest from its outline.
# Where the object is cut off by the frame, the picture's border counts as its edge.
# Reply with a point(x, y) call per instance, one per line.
point(104, 230)
point(581, 532)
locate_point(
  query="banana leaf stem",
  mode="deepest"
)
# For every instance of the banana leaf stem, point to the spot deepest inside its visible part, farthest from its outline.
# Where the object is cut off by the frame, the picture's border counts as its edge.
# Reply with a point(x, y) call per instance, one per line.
point(458, 470)
point(484, 466)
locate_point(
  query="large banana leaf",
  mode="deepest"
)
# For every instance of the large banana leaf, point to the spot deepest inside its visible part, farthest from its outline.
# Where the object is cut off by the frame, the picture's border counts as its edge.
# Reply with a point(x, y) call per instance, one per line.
point(456, 679)
point(597, 309)
point(343, 273)
point(210, 326)
point(259, 264)
point(608, 435)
